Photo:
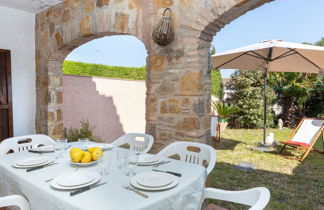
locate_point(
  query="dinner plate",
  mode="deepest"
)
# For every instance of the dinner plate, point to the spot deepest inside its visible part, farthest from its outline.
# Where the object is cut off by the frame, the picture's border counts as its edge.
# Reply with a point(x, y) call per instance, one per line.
point(47, 148)
point(33, 161)
point(101, 146)
point(174, 183)
point(154, 179)
point(85, 164)
point(96, 178)
point(160, 160)
point(145, 158)
point(32, 166)
point(74, 179)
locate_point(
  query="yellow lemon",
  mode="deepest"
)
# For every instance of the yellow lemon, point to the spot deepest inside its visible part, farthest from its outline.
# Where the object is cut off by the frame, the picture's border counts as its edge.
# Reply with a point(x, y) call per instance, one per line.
point(76, 155)
point(86, 158)
point(91, 149)
point(74, 149)
point(97, 154)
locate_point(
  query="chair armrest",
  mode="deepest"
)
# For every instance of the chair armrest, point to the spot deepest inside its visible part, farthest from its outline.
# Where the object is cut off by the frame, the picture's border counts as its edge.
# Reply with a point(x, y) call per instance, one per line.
point(257, 198)
point(14, 200)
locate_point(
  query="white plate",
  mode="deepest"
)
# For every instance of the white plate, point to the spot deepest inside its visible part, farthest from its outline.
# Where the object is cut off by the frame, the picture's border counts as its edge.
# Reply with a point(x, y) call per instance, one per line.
point(154, 179)
point(161, 159)
point(85, 164)
point(101, 146)
point(42, 164)
point(174, 183)
point(97, 178)
point(145, 158)
point(74, 179)
point(32, 161)
point(47, 148)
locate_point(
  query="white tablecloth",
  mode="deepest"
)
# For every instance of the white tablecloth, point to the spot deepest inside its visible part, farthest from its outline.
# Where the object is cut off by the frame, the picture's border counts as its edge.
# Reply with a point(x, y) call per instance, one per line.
point(111, 196)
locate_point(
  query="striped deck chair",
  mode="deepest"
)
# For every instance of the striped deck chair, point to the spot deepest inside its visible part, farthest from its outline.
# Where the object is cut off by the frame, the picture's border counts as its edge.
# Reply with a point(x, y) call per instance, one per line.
point(305, 136)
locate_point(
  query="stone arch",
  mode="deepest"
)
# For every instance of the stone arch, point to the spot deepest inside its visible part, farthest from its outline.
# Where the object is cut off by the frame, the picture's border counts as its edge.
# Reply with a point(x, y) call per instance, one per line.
point(178, 78)
point(61, 29)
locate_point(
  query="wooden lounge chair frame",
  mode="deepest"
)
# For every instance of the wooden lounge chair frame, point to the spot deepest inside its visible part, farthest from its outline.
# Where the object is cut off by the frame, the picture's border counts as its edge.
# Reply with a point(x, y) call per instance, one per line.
point(305, 148)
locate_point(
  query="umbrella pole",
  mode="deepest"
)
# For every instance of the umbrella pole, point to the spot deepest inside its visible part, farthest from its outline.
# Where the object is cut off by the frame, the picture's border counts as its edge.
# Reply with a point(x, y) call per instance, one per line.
point(265, 106)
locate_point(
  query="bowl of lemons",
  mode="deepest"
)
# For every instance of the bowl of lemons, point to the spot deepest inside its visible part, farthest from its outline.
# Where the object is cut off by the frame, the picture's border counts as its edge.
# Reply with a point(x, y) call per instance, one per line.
point(85, 158)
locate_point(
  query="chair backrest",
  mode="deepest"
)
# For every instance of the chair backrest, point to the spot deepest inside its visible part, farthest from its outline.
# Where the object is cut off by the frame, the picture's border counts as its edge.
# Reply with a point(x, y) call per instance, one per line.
point(24, 143)
point(14, 200)
point(191, 152)
point(308, 130)
point(138, 142)
point(257, 198)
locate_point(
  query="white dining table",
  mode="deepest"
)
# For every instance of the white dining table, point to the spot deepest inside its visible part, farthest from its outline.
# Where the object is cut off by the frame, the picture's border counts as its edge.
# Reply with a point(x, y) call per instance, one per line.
point(111, 196)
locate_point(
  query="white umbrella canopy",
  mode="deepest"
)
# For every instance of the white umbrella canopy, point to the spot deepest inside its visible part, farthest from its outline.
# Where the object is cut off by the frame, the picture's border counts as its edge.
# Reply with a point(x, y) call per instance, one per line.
point(273, 56)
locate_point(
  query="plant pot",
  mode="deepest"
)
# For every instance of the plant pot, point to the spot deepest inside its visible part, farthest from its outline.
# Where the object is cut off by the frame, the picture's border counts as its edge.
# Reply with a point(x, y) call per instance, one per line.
point(222, 126)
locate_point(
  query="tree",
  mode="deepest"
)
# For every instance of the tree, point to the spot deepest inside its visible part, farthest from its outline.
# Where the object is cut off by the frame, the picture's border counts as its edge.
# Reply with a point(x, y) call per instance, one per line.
point(292, 91)
point(216, 80)
point(247, 96)
point(314, 106)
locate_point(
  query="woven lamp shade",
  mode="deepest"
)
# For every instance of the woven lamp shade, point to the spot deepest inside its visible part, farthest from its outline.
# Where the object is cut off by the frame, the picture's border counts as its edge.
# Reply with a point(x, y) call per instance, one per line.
point(163, 33)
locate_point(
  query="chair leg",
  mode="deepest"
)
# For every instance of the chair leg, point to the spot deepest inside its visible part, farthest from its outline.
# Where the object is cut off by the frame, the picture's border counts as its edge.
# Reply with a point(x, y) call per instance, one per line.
point(305, 154)
point(282, 149)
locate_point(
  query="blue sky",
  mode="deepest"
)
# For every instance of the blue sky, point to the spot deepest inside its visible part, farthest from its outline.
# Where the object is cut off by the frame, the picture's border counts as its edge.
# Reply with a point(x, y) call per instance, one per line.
point(288, 20)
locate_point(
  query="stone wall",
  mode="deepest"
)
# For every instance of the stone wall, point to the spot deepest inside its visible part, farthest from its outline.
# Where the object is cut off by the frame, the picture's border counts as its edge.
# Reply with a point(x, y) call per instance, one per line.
point(178, 80)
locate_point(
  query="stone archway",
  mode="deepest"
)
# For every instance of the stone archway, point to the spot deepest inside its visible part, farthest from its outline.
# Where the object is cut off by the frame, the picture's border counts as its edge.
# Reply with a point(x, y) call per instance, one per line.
point(178, 81)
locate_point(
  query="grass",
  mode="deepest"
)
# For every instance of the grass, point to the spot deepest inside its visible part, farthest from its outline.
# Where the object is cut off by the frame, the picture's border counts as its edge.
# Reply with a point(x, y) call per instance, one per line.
point(293, 185)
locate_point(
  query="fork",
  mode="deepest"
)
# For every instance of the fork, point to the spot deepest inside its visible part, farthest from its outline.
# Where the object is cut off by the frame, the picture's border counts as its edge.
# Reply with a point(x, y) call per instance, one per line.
point(162, 163)
point(48, 180)
point(128, 187)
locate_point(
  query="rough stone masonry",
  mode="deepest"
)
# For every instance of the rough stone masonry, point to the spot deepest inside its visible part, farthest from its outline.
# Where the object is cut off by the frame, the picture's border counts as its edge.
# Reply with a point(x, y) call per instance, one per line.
point(178, 81)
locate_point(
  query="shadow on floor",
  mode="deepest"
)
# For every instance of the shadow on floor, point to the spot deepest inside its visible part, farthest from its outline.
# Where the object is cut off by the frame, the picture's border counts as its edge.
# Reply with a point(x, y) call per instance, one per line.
point(227, 144)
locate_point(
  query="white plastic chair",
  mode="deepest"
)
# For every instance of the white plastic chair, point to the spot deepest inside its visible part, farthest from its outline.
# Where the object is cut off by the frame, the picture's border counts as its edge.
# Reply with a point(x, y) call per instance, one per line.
point(257, 198)
point(14, 200)
point(138, 142)
point(205, 155)
point(24, 143)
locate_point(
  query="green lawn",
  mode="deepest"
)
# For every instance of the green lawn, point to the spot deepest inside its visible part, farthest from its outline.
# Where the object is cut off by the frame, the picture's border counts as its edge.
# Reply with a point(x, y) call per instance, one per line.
point(293, 185)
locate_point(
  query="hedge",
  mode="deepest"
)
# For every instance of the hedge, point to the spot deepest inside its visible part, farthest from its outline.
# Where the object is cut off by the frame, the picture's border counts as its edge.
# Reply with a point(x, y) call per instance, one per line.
point(89, 69)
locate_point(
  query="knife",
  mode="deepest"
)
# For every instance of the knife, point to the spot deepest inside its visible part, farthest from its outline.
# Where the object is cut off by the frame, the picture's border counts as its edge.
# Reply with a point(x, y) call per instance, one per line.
point(39, 152)
point(170, 172)
point(40, 167)
point(84, 189)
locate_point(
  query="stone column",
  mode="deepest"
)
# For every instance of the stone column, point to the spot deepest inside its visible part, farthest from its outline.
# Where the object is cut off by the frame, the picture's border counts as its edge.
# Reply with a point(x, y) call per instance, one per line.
point(178, 93)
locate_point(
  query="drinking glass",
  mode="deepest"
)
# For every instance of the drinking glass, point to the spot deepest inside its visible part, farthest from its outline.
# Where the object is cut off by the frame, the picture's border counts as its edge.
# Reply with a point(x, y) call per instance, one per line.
point(83, 142)
point(132, 163)
point(121, 160)
point(104, 164)
point(60, 146)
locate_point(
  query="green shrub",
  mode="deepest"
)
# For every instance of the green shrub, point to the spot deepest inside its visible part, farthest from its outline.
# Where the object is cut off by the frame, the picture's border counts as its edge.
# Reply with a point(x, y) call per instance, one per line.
point(86, 131)
point(224, 110)
point(89, 69)
point(217, 85)
point(248, 98)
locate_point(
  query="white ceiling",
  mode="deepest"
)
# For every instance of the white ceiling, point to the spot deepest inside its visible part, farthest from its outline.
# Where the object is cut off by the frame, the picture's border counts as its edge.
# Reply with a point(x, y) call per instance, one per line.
point(32, 6)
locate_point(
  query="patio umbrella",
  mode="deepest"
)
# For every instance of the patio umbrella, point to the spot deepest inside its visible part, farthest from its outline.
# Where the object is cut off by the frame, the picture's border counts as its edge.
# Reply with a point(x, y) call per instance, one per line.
point(272, 56)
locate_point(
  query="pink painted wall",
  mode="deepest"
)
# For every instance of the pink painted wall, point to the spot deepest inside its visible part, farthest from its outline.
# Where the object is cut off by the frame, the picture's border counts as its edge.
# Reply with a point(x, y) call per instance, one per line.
point(113, 106)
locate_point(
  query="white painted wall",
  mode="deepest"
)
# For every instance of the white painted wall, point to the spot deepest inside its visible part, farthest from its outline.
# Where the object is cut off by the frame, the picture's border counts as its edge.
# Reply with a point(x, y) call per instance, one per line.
point(113, 106)
point(17, 34)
